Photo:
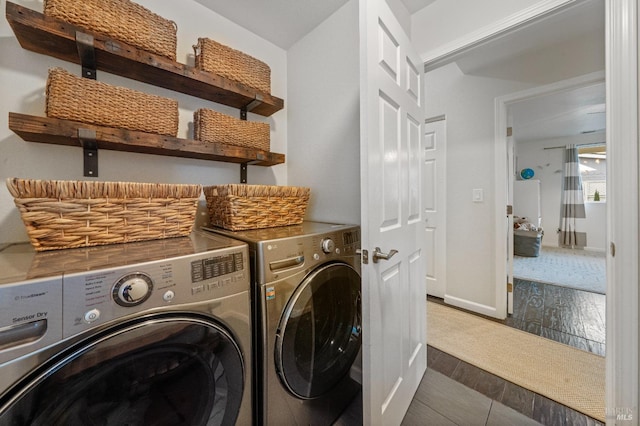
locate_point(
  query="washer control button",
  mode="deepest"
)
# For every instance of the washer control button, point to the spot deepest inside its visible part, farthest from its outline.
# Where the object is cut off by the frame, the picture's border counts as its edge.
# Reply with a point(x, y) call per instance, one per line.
point(91, 316)
point(316, 256)
point(168, 296)
point(132, 289)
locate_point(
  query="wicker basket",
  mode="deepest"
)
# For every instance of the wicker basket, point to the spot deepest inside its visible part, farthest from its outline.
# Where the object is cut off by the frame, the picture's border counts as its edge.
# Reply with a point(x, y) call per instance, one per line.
point(217, 58)
point(89, 101)
point(213, 126)
point(66, 214)
point(240, 207)
point(121, 20)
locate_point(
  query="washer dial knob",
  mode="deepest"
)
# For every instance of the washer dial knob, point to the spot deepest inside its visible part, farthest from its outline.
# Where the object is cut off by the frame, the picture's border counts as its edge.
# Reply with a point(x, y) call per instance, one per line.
point(328, 245)
point(132, 289)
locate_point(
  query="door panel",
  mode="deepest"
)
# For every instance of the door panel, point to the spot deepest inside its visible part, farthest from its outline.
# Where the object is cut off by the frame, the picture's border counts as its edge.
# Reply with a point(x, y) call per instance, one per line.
point(389, 52)
point(390, 142)
point(394, 336)
point(414, 328)
point(392, 322)
point(413, 147)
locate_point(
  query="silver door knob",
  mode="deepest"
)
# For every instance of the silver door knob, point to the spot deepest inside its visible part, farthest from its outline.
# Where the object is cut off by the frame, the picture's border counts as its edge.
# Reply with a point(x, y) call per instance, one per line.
point(377, 254)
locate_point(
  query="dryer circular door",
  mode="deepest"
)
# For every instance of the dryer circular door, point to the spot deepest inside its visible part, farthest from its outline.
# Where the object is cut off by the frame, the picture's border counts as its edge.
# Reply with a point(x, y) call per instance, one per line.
point(319, 332)
point(165, 370)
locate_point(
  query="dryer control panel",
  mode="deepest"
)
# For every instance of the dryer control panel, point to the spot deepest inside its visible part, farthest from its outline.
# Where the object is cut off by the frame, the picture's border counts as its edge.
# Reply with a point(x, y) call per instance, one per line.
point(100, 296)
point(280, 258)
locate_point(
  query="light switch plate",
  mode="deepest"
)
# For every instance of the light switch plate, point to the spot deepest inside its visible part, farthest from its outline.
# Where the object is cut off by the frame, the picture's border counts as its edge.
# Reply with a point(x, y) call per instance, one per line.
point(478, 196)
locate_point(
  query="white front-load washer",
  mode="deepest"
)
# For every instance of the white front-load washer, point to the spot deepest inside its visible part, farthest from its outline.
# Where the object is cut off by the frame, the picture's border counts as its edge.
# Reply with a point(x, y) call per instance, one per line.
point(146, 333)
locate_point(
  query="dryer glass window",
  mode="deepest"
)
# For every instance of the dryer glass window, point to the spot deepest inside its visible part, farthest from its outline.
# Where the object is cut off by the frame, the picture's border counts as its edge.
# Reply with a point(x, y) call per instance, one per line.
point(157, 372)
point(320, 331)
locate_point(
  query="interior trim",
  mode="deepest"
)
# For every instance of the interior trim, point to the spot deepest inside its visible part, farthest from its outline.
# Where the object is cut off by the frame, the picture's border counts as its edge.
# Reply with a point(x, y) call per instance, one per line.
point(622, 398)
point(449, 52)
point(458, 302)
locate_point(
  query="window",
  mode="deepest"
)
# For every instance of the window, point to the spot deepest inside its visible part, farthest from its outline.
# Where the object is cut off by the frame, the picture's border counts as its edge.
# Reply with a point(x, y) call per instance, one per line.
point(593, 170)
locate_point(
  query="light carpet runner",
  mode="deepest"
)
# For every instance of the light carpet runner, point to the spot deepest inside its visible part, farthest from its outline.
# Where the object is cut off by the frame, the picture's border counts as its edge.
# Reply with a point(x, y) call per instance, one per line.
point(567, 375)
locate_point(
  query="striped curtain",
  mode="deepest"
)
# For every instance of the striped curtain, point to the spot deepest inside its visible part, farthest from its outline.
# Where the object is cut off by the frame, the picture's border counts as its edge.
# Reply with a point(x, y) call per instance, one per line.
point(572, 229)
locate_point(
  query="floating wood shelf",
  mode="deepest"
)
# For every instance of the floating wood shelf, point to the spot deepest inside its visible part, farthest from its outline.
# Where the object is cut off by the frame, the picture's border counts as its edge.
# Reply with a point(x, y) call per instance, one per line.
point(53, 37)
point(64, 132)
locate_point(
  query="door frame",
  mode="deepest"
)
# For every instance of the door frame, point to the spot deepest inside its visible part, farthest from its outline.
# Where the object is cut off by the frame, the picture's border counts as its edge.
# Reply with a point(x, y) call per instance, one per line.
point(501, 177)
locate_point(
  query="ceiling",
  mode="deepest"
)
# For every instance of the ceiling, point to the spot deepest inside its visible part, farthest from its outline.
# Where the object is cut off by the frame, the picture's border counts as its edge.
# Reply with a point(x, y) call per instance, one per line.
point(284, 22)
point(542, 54)
point(520, 56)
point(563, 114)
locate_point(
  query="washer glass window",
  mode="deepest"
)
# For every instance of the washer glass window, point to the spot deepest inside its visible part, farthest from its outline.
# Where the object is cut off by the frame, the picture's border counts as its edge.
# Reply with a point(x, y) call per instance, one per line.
point(319, 336)
point(183, 371)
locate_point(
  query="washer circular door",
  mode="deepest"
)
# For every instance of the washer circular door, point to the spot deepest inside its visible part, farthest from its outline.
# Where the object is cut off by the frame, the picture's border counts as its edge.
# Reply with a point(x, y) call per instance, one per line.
point(165, 370)
point(319, 332)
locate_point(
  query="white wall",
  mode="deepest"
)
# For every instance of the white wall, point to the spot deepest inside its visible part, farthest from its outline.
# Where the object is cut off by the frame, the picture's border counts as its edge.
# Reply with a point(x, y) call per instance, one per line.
point(324, 119)
point(547, 165)
point(23, 75)
point(468, 103)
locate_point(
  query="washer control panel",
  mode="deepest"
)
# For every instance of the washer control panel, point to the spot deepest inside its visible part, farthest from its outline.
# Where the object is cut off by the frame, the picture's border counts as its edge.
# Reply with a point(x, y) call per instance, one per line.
point(100, 296)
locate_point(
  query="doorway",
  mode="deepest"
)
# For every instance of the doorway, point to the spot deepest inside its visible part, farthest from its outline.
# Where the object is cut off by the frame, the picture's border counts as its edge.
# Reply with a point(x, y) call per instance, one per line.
point(622, 211)
point(558, 293)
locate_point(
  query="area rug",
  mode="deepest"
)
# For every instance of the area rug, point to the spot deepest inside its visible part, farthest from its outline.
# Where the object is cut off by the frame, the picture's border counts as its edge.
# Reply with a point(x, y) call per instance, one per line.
point(559, 372)
point(580, 269)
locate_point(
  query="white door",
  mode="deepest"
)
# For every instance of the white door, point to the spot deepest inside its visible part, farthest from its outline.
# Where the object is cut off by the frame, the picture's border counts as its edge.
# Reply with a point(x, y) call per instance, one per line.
point(394, 307)
point(434, 205)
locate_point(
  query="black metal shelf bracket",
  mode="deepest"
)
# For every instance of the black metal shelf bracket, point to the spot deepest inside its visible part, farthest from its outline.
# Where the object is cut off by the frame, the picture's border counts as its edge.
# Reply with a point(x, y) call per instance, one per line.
point(87, 54)
point(89, 145)
point(250, 106)
point(243, 172)
point(243, 116)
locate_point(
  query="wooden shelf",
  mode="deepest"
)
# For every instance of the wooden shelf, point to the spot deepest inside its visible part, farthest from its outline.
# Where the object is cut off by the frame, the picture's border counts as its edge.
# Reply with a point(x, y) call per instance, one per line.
point(53, 37)
point(63, 132)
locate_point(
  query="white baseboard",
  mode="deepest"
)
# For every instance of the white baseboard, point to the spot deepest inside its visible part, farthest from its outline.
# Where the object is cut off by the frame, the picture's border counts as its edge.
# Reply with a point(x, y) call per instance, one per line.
point(489, 311)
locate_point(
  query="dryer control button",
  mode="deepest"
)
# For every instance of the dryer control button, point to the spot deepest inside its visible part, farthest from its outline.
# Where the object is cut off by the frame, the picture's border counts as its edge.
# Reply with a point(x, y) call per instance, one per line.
point(91, 316)
point(168, 296)
point(316, 256)
point(328, 245)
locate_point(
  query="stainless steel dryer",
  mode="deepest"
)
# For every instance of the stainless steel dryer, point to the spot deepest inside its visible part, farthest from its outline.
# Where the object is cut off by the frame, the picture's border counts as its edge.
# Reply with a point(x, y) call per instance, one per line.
point(307, 310)
point(154, 332)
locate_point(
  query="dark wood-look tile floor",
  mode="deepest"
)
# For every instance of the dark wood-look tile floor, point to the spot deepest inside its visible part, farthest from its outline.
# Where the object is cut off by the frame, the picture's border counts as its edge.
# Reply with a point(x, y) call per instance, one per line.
point(569, 316)
point(454, 392)
point(441, 400)
point(509, 397)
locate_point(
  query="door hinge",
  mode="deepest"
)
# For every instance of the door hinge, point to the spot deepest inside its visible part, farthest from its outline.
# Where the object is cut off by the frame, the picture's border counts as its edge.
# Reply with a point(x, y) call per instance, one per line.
point(365, 255)
point(613, 249)
point(509, 132)
point(509, 287)
point(509, 210)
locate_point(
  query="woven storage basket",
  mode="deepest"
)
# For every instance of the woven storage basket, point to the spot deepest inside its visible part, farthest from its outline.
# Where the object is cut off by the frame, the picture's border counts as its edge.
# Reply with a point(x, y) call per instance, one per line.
point(90, 101)
point(239, 207)
point(121, 20)
point(213, 126)
point(235, 65)
point(66, 214)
